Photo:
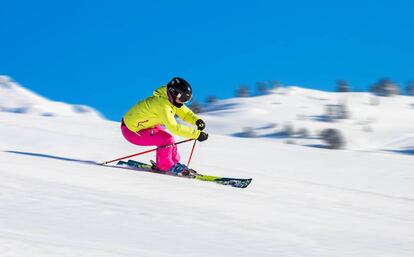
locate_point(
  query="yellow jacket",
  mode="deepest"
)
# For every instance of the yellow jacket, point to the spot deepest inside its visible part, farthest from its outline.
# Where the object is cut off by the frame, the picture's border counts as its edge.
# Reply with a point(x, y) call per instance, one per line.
point(157, 109)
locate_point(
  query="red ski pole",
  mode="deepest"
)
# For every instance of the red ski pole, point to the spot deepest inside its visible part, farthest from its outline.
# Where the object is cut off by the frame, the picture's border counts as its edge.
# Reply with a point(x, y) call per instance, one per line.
point(191, 155)
point(148, 151)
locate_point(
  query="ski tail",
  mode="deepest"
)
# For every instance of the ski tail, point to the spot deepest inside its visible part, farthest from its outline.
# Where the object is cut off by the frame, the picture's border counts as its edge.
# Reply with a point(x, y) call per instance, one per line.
point(135, 164)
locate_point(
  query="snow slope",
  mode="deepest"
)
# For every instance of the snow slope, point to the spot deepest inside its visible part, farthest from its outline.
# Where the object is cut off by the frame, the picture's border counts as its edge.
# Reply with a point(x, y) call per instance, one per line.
point(374, 123)
point(302, 202)
point(17, 99)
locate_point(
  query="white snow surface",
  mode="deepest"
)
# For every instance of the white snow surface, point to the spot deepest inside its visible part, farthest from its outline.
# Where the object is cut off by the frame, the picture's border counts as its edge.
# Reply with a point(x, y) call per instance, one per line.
point(16, 99)
point(303, 201)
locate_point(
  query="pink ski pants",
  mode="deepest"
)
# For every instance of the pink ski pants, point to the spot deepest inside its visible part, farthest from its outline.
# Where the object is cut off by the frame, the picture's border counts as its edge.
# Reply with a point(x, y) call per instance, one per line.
point(157, 136)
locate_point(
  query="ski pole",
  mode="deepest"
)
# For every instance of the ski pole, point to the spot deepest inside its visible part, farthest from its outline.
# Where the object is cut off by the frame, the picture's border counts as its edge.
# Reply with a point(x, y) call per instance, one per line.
point(144, 152)
point(191, 154)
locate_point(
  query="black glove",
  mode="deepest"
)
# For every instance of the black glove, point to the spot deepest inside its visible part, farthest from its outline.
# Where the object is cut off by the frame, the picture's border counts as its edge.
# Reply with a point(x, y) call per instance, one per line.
point(202, 137)
point(200, 124)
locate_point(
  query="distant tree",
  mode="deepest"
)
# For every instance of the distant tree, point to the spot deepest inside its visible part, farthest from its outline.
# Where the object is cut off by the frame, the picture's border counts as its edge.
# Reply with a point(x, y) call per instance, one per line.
point(273, 125)
point(342, 86)
point(336, 112)
point(410, 88)
point(290, 142)
point(274, 84)
point(333, 138)
point(288, 130)
point(80, 109)
point(242, 91)
point(195, 107)
point(385, 87)
point(303, 132)
point(211, 99)
point(261, 88)
point(248, 132)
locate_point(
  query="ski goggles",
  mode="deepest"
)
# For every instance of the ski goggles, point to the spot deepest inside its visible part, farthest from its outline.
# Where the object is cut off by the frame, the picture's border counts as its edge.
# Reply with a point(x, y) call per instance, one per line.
point(184, 97)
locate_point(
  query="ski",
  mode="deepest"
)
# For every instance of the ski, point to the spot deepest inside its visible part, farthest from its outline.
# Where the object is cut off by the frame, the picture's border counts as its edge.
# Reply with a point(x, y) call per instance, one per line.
point(234, 182)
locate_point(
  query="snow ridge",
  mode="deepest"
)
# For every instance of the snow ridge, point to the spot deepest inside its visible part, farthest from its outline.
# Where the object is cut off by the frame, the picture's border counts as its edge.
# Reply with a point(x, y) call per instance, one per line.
point(365, 120)
point(15, 98)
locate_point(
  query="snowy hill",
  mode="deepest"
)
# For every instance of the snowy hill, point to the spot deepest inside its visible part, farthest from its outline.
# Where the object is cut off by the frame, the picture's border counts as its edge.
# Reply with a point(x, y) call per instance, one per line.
point(17, 99)
point(303, 201)
point(372, 122)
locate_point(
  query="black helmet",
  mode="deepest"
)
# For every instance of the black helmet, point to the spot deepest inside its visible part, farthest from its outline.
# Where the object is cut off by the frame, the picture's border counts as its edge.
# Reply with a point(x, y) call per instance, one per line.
point(180, 88)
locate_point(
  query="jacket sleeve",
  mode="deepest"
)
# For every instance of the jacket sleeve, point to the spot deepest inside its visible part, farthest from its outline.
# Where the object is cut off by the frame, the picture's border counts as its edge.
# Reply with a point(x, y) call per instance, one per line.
point(187, 115)
point(168, 119)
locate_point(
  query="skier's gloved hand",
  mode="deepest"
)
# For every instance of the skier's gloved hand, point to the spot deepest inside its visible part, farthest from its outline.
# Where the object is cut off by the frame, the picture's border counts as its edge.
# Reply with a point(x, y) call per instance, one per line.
point(200, 124)
point(202, 137)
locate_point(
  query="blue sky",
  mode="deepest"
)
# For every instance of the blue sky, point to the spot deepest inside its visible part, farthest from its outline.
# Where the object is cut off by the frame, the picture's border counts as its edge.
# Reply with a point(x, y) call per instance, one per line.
point(110, 54)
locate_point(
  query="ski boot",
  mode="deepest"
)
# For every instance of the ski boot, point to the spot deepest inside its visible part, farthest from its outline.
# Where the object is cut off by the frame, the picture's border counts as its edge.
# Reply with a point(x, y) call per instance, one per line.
point(182, 170)
point(178, 169)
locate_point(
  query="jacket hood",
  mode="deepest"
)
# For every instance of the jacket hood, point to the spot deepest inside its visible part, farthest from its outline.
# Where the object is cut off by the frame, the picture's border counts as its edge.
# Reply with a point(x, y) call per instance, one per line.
point(163, 93)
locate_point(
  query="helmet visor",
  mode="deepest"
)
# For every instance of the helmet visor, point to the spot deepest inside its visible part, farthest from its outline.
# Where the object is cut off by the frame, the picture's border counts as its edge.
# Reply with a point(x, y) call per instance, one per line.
point(184, 97)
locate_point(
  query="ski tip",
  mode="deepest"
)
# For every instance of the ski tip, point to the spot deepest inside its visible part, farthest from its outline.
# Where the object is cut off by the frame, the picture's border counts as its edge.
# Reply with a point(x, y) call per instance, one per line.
point(248, 183)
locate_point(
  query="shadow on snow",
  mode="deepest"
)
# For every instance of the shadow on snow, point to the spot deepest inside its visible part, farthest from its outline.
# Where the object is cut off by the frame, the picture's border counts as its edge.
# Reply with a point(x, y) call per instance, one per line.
point(53, 157)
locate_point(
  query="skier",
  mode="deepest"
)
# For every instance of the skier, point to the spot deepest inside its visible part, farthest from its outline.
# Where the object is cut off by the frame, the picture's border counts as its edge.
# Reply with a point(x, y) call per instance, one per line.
point(142, 124)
